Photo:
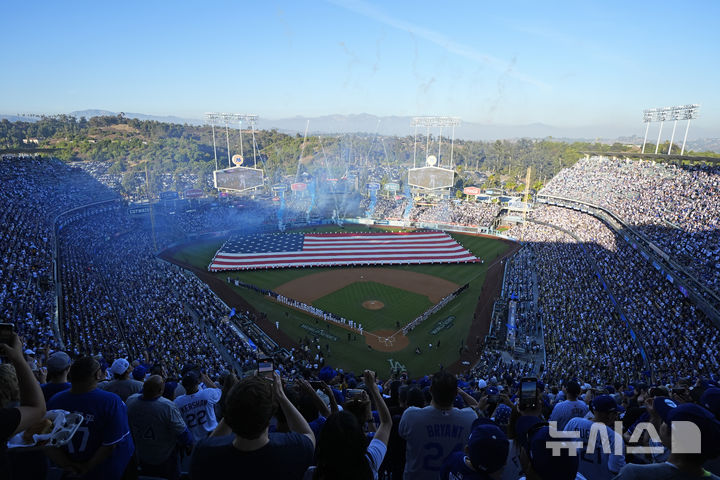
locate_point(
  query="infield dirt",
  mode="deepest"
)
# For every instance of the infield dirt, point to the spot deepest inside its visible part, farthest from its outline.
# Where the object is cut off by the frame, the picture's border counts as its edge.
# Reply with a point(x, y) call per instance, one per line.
point(317, 285)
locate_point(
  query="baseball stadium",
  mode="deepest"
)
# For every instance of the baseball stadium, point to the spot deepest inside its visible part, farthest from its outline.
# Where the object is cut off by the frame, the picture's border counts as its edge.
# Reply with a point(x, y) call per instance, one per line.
point(359, 240)
point(342, 277)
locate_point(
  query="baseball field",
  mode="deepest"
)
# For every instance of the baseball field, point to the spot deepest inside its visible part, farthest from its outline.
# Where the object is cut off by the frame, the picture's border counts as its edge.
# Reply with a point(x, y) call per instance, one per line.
point(381, 299)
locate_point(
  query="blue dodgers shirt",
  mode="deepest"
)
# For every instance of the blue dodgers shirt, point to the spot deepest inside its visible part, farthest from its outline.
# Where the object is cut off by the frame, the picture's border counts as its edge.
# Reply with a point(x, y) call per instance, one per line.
point(106, 423)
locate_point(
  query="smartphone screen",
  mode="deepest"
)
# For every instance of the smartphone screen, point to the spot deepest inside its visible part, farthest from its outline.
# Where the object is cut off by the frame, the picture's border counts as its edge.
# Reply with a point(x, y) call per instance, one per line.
point(6, 332)
point(528, 393)
point(265, 367)
point(6, 335)
point(354, 392)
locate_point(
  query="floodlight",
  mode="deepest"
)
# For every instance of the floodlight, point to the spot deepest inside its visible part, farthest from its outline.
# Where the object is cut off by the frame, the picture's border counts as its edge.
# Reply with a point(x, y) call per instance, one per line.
point(680, 112)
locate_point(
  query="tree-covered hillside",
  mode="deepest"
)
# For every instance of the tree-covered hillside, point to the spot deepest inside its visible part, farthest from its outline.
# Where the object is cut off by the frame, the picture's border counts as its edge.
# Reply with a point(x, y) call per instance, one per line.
point(130, 145)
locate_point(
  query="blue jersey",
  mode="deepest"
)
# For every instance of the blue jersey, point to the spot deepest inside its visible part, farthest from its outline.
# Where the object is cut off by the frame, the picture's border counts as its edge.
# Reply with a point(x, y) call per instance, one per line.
point(106, 423)
point(50, 389)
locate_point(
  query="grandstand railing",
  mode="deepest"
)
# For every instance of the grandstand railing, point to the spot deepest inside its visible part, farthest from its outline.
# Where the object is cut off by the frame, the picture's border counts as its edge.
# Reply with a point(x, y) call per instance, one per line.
point(685, 282)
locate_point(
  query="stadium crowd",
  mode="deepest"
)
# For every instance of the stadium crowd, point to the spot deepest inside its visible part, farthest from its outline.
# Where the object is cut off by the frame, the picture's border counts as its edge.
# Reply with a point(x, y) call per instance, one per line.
point(458, 212)
point(520, 284)
point(677, 337)
point(677, 207)
point(447, 211)
point(31, 199)
point(152, 358)
point(575, 313)
point(337, 425)
point(387, 208)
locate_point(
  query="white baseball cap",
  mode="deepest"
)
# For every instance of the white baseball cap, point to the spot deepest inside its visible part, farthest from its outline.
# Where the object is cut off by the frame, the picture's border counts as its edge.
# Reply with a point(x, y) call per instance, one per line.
point(120, 366)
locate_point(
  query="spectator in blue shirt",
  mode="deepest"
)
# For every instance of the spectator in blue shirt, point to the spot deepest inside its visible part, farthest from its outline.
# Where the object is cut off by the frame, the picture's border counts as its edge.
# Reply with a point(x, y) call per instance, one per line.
point(102, 446)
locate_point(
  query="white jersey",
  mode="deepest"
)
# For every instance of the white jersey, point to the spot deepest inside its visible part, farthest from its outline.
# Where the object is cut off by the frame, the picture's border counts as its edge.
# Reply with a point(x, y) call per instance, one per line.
point(431, 435)
point(198, 411)
point(607, 457)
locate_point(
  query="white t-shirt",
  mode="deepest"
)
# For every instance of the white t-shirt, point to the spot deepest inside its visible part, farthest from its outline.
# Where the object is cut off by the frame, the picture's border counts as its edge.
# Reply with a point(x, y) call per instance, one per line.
point(198, 411)
point(602, 463)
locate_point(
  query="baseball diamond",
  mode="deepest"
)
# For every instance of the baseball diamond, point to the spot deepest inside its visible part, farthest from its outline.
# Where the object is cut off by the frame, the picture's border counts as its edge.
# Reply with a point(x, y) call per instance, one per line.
point(381, 300)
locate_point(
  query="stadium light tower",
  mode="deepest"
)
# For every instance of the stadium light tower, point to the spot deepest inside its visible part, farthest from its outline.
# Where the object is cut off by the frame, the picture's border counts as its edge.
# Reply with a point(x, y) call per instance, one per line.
point(250, 119)
point(434, 122)
point(688, 114)
point(661, 115)
point(681, 112)
point(212, 118)
point(647, 118)
point(227, 117)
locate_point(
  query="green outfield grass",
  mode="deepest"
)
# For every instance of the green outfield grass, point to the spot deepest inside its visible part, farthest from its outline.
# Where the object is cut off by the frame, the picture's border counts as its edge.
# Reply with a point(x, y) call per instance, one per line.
point(400, 305)
point(351, 353)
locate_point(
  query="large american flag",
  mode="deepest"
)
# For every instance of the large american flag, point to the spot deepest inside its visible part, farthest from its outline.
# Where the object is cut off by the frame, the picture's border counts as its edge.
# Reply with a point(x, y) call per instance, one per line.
point(280, 250)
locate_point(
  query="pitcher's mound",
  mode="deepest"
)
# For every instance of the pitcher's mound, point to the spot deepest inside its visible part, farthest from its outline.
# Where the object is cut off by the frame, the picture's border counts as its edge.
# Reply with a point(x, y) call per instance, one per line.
point(373, 304)
point(387, 340)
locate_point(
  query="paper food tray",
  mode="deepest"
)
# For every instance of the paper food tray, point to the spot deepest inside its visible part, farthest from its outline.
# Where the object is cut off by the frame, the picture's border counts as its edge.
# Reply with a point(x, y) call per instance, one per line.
point(65, 424)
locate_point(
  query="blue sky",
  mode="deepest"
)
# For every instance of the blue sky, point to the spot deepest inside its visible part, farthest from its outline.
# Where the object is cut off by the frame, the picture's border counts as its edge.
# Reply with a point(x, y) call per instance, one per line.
point(567, 64)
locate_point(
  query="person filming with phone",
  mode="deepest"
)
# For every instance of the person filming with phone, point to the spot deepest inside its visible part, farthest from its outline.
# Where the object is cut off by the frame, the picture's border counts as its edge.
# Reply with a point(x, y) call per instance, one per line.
point(32, 402)
point(250, 450)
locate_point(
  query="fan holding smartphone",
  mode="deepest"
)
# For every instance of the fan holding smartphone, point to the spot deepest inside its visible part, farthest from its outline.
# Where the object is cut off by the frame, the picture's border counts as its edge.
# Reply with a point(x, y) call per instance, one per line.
point(266, 367)
point(528, 395)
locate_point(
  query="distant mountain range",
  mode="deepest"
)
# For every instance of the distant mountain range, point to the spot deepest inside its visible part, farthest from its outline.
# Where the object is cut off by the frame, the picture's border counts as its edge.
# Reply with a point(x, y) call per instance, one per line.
point(703, 139)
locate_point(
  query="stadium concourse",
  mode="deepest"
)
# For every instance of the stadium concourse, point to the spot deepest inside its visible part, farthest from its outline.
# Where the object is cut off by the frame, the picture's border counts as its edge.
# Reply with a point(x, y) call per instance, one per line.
point(157, 364)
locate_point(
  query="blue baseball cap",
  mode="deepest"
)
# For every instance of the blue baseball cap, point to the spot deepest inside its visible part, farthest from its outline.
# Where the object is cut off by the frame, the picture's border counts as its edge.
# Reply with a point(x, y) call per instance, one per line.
point(502, 414)
point(548, 466)
point(326, 374)
point(488, 448)
point(58, 361)
point(703, 418)
point(663, 405)
point(710, 399)
point(606, 403)
point(481, 421)
point(139, 372)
